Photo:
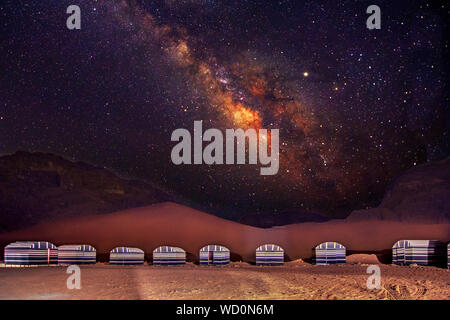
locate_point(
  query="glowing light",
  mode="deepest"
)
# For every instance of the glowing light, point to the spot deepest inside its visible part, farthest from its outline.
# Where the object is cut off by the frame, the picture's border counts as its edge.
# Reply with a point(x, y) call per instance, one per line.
point(305, 74)
point(246, 118)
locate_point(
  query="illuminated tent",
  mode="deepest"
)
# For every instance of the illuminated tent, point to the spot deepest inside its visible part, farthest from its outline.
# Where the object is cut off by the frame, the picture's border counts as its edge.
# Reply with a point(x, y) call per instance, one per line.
point(269, 254)
point(330, 253)
point(126, 256)
point(31, 253)
point(214, 255)
point(166, 255)
point(421, 252)
point(76, 254)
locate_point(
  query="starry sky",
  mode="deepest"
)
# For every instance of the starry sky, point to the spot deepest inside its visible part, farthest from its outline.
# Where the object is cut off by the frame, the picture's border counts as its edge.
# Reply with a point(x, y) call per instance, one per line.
point(355, 107)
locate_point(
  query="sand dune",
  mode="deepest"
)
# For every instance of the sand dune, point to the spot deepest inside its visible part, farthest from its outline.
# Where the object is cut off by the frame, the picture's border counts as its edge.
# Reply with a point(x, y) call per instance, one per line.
point(174, 224)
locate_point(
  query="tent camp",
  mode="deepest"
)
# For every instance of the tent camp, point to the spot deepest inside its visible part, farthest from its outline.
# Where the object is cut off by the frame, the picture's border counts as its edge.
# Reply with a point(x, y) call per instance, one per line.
point(330, 253)
point(167, 255)
point(269, 254)
point(214, 255)
point(31, 253)
point(76, 254)
point(126, 255)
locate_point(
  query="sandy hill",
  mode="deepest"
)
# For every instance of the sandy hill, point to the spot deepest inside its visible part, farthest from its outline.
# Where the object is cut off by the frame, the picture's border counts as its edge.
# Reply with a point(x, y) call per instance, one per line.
point(177, 225)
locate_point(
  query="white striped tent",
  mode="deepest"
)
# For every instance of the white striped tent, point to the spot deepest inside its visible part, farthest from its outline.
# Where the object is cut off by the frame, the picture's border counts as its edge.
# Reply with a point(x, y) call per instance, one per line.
point(421, 252)
point(76, 254)
point(126, 255)
point(269, 254)
point(214, 255)
point(167, 255)
point(31, 253)
point(330, 253)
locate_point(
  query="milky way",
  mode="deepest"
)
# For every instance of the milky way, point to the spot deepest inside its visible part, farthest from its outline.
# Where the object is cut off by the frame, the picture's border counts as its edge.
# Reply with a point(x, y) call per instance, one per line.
point(355, 107)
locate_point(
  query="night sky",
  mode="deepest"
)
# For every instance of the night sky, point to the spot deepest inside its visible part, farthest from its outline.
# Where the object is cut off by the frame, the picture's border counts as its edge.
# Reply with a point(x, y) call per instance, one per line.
point(355, 107)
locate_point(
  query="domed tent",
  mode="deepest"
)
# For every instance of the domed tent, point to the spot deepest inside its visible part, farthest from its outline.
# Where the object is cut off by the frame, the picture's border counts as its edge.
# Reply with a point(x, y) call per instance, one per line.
point(31, 253)
point(421, 252)
point(76, 254)
point(330, 253)
point(126, 256)
point(167, 255)
point(269, 254)
point(214, 255)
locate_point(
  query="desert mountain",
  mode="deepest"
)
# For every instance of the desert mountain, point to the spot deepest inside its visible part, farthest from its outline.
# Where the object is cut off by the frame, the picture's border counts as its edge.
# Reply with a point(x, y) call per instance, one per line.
point(39, 187)
point(422, 194)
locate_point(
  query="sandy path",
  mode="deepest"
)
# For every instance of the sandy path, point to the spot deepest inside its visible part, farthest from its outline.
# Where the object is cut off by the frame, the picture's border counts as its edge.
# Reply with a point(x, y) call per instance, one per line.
point(236, 281)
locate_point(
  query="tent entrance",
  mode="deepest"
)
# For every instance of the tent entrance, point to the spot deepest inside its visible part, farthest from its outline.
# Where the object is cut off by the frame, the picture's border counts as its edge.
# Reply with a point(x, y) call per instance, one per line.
point(211, 257)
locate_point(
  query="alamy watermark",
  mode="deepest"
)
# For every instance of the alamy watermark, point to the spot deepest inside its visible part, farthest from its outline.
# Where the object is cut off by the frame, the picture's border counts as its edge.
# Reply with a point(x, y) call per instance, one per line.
point(374, 20)
point(74, 280)
point(235, 140)
point(73, 22)
point(374, 281)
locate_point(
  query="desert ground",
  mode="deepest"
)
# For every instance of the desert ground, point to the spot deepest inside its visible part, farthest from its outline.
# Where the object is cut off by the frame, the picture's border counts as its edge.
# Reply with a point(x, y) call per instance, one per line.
point(295, 280)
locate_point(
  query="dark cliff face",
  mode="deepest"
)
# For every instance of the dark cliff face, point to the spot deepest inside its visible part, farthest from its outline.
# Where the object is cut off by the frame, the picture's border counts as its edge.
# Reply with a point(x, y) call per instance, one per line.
point(421, 194)
point(39, 187)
